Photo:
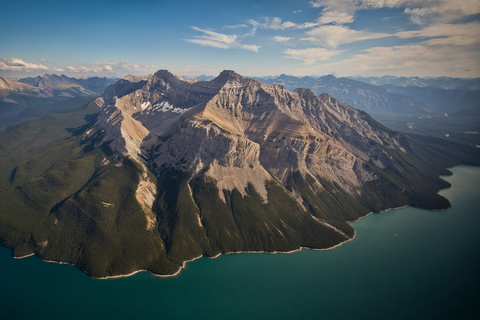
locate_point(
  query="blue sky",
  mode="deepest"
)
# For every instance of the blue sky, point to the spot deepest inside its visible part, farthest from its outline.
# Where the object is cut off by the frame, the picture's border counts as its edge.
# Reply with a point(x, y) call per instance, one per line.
point(254, 38)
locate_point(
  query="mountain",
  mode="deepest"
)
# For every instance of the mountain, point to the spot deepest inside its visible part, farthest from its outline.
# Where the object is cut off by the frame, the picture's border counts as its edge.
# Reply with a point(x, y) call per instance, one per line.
point(435, 83)
point(15, 97)
point(423, 107)
point(159, 171)
point(12, 85)
point(34, 97)
point(58, 86)
point(86, 86)
point(451, 101)
point(367, 97)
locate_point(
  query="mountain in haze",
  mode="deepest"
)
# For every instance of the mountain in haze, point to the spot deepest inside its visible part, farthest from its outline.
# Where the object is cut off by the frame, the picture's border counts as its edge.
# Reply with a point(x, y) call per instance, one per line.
point(435, 83)
point(360, 95)
point(34, 97)
point(159, 171)
point(85, 86)
point(451, 101)
point(420, 106)
point(7, 84)
point(444, 94)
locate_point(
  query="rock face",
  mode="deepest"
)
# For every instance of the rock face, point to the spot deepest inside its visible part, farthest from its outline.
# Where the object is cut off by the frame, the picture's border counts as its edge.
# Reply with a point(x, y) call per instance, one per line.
point(236, 160)
point(171, 170)
point(241, 131)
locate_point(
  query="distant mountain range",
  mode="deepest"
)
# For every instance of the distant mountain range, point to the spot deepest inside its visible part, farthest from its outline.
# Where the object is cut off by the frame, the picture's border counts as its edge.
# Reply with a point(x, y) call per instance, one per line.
point(158, 171)
point(33, 97)
point(60, 84)
point(393, 95)
point(360, 95)
point(436, 83)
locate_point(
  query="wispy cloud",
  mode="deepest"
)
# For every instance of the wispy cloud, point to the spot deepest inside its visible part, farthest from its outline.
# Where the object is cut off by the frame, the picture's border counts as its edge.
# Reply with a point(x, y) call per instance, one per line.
point(17, 64)
point(334, 35)
point(423, 59)
point(281, 39)
point(235, 26)
point(220, 40)
point(90, 69)
point(113, 68)
point(311, 55)
point(455, 34)
point(122, 68)
point(102, 68)
point(420, 11)
point(276, 23)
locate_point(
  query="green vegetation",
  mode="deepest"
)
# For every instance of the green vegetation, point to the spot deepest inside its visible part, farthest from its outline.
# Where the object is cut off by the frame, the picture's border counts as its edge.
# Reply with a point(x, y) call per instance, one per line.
point(451, 128)
point(61, 200)
point(58, 200)
point(20, 105)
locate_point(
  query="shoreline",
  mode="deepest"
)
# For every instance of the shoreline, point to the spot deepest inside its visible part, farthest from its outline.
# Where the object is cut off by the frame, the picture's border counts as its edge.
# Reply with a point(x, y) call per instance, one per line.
point(218, 255)
point(184, 264)
point(372, 212)
point(25, 256)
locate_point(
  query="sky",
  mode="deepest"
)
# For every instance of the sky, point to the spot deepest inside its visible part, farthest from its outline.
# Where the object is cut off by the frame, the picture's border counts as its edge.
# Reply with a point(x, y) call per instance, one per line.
point(426, 38)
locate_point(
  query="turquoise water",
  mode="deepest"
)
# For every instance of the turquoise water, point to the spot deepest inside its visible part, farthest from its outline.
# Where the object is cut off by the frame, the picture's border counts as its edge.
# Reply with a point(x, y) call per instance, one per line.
point(404, 264)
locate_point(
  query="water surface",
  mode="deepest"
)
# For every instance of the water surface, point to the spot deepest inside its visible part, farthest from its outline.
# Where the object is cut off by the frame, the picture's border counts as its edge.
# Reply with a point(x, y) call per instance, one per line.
point(404, 264)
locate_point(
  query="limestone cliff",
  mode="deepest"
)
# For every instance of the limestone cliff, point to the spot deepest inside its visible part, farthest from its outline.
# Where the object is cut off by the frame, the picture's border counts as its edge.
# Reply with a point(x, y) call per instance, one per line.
point(243, 131)
point(166, 171)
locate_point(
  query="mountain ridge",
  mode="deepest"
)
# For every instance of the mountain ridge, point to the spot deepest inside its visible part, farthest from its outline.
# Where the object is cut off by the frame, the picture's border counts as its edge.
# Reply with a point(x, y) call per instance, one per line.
point(34, 97)
point(93, 84)
point(360, 95)
point(161, 171)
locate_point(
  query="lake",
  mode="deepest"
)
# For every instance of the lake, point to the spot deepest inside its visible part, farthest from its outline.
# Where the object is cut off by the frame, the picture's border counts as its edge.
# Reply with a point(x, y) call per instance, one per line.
point(404, 264)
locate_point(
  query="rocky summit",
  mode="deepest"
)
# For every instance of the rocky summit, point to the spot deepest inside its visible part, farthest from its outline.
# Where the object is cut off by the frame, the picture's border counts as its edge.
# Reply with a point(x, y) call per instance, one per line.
point(170, 170)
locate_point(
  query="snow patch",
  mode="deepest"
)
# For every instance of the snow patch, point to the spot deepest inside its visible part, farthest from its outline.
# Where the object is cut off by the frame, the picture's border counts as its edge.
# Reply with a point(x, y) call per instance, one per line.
point(144, 105)
point(164, 106)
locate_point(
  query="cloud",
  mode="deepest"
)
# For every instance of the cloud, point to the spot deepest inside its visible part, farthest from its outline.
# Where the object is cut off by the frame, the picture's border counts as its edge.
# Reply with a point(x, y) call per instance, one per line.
point(311, 55)
point(450, 34)
point(336, 11)
point(334, 35)
point(423, 59)
point(277, 24)
point(108, 69)
point(42, 60)
point(90, 69)
point(444, 11)
point(420, 11)
point(113, 68)
point(440, 49)
point(281, 39)
point(336, 17)
point(220, 40)
point(16, 64)
point(236, 26)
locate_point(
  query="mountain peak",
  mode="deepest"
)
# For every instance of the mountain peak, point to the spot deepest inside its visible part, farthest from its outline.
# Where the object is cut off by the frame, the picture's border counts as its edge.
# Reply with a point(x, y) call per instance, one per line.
point(134, 78)
point(228, 75)
point(165, 74)
point(328, 77)
point(10, 84)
